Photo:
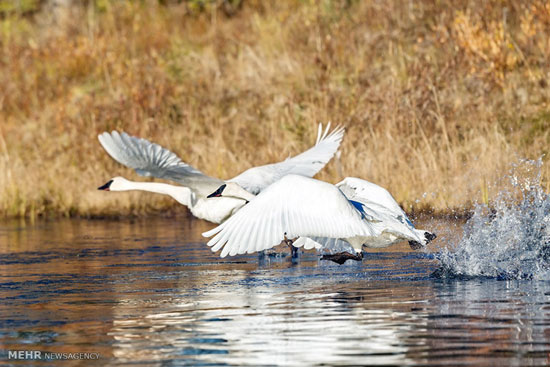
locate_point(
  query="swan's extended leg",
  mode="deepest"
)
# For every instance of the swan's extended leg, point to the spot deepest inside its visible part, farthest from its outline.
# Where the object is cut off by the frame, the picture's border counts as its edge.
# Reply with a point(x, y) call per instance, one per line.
point(342, 257)
point(293, 250)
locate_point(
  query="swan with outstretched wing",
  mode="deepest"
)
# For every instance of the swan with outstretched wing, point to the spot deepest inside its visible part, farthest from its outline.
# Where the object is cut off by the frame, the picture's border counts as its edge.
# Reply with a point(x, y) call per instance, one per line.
point(151, 159)
point(313, 213)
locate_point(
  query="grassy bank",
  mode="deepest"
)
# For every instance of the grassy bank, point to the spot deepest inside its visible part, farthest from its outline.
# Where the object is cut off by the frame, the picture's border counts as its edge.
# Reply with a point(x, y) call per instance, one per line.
point(439, 99)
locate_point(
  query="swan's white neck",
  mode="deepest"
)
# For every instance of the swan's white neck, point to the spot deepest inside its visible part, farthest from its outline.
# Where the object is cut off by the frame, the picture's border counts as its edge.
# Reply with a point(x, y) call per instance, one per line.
point(182, 195)
point(234, 190)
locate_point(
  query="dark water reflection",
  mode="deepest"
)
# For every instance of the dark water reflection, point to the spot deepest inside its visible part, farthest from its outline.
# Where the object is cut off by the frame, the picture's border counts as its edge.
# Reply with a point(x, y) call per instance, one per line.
point(149, 292)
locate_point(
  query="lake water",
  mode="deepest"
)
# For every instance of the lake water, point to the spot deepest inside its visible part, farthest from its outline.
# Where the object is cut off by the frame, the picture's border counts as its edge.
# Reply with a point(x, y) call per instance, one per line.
point(150, 292)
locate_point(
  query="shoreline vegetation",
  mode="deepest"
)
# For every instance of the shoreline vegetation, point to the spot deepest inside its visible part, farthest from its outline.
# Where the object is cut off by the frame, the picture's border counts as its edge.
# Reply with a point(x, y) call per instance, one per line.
point(439, 100)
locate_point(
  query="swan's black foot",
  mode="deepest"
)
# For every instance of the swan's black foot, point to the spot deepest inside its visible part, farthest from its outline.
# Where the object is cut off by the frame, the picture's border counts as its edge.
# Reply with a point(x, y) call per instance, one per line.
point(293, 250)
point(342, 257)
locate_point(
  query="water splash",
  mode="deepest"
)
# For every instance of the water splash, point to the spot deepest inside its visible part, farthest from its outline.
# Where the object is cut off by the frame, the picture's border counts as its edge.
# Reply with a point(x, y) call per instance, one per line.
point(511, 238)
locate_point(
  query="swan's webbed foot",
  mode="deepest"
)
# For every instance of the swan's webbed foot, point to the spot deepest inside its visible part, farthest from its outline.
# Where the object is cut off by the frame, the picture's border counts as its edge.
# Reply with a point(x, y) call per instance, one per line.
point(342, 257)
point(293, 250)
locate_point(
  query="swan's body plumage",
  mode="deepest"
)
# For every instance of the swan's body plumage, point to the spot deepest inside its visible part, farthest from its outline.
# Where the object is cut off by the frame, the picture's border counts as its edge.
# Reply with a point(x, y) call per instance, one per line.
point(381, 209)
point(319, 213)
point(151, 159)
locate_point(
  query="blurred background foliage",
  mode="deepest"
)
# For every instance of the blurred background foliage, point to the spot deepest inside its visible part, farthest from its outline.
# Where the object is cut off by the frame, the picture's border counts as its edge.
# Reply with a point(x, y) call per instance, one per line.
point(439, 98)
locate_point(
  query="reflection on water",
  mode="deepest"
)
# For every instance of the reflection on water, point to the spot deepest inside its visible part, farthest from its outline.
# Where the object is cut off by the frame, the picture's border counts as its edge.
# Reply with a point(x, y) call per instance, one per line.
point(150, 292)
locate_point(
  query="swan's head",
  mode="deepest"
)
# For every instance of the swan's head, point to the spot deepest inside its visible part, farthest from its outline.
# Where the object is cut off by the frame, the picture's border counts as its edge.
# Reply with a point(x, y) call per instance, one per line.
point(231, 189)
point(115, 184)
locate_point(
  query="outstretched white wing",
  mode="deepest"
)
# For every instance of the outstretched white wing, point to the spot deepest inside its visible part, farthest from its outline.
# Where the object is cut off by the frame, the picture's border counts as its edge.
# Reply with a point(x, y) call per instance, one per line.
point(150, 159)
point(294, 206)
point(307, 163)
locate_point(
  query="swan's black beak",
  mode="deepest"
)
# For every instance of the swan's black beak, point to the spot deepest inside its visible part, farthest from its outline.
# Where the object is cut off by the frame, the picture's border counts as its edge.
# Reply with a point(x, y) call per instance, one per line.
point(218, 192)
point(106, 186)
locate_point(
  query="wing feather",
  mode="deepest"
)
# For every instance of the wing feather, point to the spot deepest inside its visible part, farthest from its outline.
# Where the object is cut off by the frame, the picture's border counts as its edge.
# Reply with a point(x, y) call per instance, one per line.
point(307, 163)
point(151, 159)
point(295, 205)
point(268, 227)
point(220, 238)
point(258, 227)
point(243, 232)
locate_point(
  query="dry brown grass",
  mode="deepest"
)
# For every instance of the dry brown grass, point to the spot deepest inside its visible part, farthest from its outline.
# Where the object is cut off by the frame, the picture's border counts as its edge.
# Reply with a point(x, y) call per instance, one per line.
point(437, 99)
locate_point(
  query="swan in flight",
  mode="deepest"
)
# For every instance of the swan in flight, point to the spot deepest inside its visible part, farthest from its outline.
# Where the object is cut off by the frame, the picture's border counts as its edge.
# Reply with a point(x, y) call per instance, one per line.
point(150, 159)
point(315, 214)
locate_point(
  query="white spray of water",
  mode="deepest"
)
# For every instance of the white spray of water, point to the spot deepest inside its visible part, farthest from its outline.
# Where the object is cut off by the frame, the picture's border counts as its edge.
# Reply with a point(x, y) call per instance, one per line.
point(510, 240)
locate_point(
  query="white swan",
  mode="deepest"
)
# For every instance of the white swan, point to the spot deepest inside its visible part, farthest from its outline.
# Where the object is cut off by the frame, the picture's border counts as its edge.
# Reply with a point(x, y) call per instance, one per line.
point(150, 159)
point(356, 211)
